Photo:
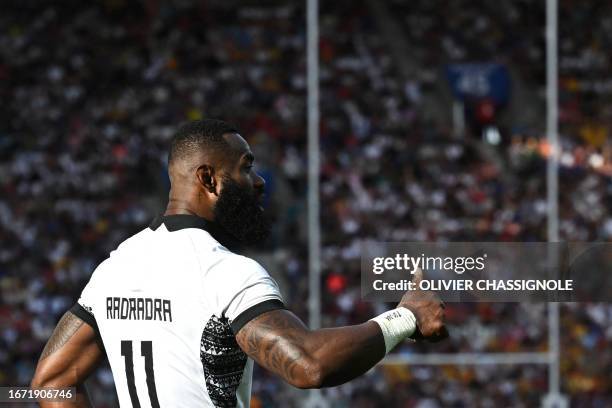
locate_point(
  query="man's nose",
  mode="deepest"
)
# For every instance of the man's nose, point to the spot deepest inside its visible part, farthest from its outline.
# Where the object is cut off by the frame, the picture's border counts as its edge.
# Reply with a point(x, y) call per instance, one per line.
point(259, 183)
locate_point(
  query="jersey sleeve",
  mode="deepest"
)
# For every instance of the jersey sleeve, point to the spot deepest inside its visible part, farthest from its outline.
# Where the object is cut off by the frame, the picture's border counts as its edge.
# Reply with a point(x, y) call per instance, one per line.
point(84, 308)
point(247, 291)
point(86, 300)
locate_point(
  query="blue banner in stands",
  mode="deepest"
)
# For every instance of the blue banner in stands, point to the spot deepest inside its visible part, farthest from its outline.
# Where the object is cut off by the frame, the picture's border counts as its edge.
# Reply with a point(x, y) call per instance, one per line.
point(469, 81)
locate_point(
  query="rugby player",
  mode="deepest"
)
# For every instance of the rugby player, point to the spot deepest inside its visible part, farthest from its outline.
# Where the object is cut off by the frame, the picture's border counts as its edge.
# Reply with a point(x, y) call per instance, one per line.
point(181, 315)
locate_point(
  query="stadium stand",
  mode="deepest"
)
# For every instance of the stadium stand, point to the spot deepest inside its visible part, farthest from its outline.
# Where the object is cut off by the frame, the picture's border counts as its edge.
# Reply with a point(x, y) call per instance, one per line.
point(95, 92)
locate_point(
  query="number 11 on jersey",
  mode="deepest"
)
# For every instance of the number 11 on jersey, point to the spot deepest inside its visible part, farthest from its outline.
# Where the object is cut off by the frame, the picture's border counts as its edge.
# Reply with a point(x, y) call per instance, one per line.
point(146, 350)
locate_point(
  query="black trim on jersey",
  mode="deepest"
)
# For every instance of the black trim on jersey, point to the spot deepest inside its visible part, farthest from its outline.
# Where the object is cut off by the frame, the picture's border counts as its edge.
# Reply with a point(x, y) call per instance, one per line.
point(178, 222)
point(86, 316)
point(254, 311)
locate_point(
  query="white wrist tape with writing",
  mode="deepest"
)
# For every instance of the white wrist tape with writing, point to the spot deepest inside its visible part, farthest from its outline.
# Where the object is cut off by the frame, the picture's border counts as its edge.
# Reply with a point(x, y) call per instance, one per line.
point(396, 325)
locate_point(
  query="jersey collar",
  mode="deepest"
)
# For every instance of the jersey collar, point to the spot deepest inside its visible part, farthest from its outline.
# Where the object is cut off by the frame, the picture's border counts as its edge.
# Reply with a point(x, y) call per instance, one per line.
point(180, 221)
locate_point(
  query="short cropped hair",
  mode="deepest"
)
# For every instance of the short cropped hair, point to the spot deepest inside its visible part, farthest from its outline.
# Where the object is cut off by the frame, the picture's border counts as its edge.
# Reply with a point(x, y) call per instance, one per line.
point(199, 135)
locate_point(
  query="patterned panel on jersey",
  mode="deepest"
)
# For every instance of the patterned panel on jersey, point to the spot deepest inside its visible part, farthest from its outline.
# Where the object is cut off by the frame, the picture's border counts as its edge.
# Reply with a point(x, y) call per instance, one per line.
point(223, 361)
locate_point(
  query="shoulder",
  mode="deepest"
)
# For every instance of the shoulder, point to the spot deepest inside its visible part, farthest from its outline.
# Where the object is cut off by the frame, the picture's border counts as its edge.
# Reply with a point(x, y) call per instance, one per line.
point(236, 264)
point(133, 241)
point(127, 250)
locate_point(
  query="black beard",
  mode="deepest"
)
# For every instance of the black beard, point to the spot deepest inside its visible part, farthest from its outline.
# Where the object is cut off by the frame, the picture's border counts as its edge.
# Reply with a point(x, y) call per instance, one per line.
point(239, 213)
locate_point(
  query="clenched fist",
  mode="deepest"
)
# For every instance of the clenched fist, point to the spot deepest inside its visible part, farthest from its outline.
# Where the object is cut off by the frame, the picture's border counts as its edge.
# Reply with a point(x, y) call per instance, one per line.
point(428, 310)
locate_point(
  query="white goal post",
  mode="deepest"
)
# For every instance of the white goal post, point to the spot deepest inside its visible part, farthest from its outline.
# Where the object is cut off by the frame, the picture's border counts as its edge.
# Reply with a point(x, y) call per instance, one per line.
point(551, 358)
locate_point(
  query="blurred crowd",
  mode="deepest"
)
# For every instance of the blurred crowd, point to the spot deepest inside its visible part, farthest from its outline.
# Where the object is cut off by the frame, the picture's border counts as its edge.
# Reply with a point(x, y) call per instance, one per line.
point(94, 93)
point(476, 31)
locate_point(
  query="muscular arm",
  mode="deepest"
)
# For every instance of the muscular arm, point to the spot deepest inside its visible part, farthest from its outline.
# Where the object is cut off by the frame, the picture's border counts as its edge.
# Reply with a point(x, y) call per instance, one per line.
point(69, 357)
point(280, 342)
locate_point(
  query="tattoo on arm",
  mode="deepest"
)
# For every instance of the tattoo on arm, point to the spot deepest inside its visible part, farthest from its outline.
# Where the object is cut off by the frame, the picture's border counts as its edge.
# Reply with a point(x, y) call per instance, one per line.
point(65, 329)
point(280, 342)
point(273, 340)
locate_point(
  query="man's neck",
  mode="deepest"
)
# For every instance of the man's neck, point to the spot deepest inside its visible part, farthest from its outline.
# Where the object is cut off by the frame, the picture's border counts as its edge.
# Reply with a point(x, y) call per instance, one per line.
point(178, 207)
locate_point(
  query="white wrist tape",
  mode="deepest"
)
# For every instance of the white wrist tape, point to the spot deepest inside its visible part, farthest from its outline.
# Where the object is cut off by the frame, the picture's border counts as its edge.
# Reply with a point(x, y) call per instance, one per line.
point(396, 325)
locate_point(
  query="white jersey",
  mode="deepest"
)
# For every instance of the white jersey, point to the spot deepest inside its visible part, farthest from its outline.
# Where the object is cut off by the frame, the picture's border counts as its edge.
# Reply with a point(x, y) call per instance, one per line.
point(167, 304)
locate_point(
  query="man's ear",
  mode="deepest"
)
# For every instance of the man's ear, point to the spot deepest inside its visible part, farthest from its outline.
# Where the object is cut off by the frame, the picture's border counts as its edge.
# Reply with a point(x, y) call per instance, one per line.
point(206, 178)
